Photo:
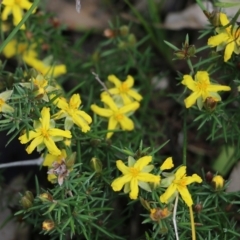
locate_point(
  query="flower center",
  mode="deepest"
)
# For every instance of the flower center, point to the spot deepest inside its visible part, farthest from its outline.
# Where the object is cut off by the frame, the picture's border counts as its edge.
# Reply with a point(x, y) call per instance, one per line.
point(1, 102)
point(181, 182)
point(18, 1)
point(202, 85)
point(44, 133)
point(134, 172)
point(118, 116)
point(123, 88)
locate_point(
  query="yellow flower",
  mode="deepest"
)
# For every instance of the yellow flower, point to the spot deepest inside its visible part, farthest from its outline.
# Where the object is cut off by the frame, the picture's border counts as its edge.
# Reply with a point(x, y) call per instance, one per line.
point(123, 89)
point(40, 87)
point(118, 116)
point(227, 37)
point(16, 8)
point(134, 176)
point(72, 113)
point(29, 55)
point(218, 182)
point(44, 135)
point(202, 88)
point(167, 164)
point(4, 107)
point(48, 225)
point(179, 184)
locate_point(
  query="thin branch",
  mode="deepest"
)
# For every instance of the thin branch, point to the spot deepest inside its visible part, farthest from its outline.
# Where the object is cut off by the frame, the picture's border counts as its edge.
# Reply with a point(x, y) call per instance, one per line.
point(174, 217)
point(37, 161)
point(101, 83)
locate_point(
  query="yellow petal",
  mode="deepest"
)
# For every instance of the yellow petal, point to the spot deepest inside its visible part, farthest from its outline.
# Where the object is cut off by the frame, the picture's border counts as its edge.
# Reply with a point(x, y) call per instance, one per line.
point(112, 124)
point(188, 81)
point(109, 101)
point(229, 50)
point(148, 177)
point(26, 138)
point(101, 111)
point(130, 107)
point(218, 39)
point(129, 81)
point(192, 179)
point(118, 183)
point(191, 100)
point(216, 88)
point(167, 164)
point(17, 16)
point(35, 142)
point(168, 193)
point(134, 94)
point(122, 167)
point(180, 173)
point(142, 162)
point(114, 80)
point(134, 189)
point(51, 146)
point(59, 132)
point(6, 11)
point(186, 196)
point(223, 19)
point(45, 120)
point(126, 124)
point(202, 76)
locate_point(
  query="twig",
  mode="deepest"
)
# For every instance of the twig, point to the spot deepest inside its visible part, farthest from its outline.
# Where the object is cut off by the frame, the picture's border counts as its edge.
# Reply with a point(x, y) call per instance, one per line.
point(174, 217)
point(37, 161)
point(101, 83)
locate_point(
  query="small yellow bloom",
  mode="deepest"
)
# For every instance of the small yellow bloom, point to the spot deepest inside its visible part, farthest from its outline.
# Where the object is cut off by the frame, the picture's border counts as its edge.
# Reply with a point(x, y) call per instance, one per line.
point(40, 87)
point(167, 164)
point(134, 176)
point(118, 116)
point(202, 88)
point(15, 7)
point(44, 135)
point(218, 182)
point(4, 107)
point(70, 111)
point(227, 37)
point(179, 184)
point(123, 89)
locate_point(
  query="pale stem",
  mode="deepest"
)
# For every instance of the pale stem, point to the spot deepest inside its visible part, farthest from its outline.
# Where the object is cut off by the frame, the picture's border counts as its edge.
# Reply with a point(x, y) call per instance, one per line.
point(37, 161)
point(174, 217)
point(192, 223)
point(101, 83)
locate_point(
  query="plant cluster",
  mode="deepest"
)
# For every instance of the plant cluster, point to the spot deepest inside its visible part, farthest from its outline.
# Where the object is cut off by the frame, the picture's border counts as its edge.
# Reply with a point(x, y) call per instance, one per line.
point(102, 148)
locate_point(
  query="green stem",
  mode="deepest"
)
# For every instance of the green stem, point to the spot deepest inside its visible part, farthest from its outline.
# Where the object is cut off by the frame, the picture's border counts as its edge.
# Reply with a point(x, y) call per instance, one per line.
point(192, 223)
point(185, 139)
point(189, 62)
point(15, 30)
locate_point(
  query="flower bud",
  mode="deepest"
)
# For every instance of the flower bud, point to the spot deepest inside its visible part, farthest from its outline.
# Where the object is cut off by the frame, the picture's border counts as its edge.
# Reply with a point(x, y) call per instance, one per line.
point(213, 17)
point(45, 197)
point(124, 30)
point(132, 39)
point(156, 214)
point(209, 176)
point(96, 165)
point(48, 225)
point(198, 207)
point(29, 196)
point(218, 182)
point(25, 202)
point(210, 104)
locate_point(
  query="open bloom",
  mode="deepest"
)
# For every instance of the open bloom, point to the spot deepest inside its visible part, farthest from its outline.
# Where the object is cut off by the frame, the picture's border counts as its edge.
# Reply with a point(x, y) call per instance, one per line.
point(15, 7)
point(178, 183)
point(44, 134)
point(123, 89)
point(202, 88)
point(72, 113)
point(118, 116)
point(30, 56)
point(135, 175)
point(4, 107)
point(227, 37)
